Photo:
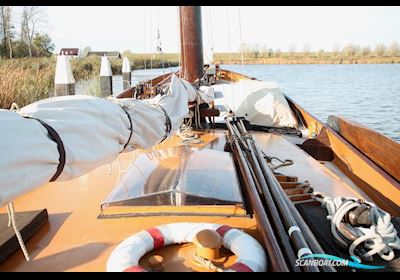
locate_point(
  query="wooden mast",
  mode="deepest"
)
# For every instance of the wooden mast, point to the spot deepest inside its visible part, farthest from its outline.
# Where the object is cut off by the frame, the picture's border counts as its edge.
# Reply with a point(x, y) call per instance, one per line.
point(191, 42)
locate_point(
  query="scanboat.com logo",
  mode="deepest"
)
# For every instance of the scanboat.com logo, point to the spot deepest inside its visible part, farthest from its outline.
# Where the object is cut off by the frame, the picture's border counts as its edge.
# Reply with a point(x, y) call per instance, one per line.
point(329, 260)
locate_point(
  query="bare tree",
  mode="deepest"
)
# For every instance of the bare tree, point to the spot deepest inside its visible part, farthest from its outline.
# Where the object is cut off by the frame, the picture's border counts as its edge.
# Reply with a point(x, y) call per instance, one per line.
point(335, 49)
point(366, 51)
point(351, 50)
point(380, 49)
point(6, 29)
point(32, 18)
point(292, 49)
point(306, 49)
point(394, 49)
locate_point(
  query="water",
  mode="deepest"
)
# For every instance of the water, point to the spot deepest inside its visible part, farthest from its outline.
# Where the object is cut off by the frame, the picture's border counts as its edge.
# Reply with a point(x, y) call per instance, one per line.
point(366, 93)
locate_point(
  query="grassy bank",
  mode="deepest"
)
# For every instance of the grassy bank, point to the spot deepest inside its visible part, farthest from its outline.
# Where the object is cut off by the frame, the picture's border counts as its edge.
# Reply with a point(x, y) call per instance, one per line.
point(27, 80)
point(302, 58)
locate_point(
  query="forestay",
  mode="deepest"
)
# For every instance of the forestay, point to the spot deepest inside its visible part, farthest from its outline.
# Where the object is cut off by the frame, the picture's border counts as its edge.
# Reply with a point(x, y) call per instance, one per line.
point(93, 132)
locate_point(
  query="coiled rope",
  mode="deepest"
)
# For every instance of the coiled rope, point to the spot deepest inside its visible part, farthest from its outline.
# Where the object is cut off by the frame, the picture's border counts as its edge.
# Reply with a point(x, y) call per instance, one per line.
point(379, 238)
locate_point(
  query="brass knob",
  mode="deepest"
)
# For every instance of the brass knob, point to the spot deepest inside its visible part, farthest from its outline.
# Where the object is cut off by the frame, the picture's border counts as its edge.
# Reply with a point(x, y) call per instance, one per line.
point(207, 244)
point(156, 263)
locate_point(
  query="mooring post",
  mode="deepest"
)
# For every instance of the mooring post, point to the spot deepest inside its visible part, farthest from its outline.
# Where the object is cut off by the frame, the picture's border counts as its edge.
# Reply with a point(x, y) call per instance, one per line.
point(105, 77)
point(126, 73)
point(64, 82)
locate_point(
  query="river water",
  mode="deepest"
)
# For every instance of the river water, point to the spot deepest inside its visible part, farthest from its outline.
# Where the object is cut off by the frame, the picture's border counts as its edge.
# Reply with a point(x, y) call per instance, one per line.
point(366, 93)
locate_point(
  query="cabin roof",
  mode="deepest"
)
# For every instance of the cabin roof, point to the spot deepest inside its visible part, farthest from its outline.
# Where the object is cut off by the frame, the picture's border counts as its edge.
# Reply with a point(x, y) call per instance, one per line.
point(105, 53)
point(69, 51)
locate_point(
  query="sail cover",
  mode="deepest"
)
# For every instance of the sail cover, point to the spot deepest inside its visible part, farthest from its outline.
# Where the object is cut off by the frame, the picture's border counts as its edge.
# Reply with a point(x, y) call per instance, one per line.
point(262, 103)
point(93, 132)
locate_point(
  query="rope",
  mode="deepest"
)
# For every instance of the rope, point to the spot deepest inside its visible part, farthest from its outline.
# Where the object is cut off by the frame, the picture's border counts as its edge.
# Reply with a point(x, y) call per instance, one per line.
point(379, 238)
point(144, 40)
point(11, 221)
point(207, 263)
point(179, 41)
point(151, 36)
point(229, 35)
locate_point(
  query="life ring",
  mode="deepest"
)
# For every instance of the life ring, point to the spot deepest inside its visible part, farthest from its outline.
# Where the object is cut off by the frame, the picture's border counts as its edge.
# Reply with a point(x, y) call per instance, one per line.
point(125, 257)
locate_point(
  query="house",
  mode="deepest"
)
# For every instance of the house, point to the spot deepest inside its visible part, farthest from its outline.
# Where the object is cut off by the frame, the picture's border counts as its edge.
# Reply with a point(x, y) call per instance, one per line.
point(105, 53)
point(72, 52)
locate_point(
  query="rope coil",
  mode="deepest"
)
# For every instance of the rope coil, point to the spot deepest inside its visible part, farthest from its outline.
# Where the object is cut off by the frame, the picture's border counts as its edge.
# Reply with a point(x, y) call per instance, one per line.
point(379, 238)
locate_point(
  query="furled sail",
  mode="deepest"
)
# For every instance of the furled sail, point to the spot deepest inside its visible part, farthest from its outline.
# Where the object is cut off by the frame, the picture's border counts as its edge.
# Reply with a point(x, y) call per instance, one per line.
point(93, 131)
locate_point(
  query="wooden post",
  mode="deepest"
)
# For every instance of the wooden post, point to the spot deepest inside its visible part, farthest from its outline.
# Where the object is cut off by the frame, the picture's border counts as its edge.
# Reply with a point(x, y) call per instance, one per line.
point(126, 73)
point(64, 82)
point(105, 77)
point(191, 42)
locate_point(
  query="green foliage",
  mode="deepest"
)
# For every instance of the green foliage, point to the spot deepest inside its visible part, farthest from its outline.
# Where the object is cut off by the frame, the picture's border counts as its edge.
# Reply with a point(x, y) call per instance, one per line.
point(42, 45)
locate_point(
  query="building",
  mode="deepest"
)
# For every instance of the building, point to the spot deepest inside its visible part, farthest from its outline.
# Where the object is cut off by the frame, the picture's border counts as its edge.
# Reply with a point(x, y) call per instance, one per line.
point(72, 52)
point(105, 53)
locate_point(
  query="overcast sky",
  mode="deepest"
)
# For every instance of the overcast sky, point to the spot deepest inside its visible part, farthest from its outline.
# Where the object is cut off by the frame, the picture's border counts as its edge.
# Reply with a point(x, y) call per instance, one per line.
point(135, 28)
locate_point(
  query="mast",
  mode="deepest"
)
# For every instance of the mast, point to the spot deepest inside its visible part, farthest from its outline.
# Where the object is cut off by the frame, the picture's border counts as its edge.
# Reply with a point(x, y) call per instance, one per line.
point(191, 42)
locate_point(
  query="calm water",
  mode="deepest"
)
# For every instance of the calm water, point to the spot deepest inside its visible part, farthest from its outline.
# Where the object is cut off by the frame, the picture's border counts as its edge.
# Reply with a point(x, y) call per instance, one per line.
point(369, 94)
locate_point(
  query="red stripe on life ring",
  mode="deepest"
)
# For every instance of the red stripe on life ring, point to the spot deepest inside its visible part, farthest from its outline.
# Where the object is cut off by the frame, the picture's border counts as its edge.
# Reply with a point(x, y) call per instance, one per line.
point(157, 236)
point(135, 268)
point(240, 267)
point(222, 230)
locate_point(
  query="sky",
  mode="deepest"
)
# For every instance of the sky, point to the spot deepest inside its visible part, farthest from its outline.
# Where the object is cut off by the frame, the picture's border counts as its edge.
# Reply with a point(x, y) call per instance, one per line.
point(135, 28)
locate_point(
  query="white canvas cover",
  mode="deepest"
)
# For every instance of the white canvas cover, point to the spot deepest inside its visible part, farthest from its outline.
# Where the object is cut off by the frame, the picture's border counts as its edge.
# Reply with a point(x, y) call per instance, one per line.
point(263, 103)
point(93, 130)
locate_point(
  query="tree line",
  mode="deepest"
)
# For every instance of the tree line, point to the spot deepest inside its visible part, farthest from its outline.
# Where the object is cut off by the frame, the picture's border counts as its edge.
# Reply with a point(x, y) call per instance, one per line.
point(25, 39)
point(350, 50)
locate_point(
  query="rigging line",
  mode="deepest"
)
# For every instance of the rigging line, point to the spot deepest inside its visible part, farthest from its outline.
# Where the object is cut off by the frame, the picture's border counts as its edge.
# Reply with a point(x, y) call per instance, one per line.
point(159, 48)
point(211, 33)
point(182, 46)
point(242, 57)
point(229, 34)
point(179, 37)
point(144, 41)
point(151, 37)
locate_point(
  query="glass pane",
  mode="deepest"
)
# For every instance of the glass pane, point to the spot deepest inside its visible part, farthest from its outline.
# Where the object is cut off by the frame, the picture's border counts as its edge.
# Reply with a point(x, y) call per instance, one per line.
point(178, 176)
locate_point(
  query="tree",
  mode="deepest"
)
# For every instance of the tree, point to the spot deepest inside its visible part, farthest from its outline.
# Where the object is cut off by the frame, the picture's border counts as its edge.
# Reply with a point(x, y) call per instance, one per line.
point(278, 53)
point(42, 45)
point(366, 51)
point(351, 50)
point(335, 49)
point(380, 49)
point(306, 49)
point(394, 49)
point(32, 18)
point(292, 49)
point(6, 30)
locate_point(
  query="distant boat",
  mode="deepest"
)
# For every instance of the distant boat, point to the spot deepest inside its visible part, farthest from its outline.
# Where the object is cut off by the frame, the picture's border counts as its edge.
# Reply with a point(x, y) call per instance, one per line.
point(249, 170)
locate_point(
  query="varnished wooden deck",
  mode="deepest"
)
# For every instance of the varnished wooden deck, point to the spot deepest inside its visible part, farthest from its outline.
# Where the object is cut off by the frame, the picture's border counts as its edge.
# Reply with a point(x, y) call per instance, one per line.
point(76, 240)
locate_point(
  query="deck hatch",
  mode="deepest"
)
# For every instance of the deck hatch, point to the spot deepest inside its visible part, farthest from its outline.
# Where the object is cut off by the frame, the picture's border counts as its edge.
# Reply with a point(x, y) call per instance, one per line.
point(178, 176)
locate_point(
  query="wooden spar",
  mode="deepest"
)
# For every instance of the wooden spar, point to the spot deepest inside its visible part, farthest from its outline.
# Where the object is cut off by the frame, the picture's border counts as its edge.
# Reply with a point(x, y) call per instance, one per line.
point(191, 43)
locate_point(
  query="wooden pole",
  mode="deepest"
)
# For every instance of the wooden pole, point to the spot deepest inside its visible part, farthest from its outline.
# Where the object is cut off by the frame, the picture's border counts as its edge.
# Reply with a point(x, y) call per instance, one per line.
point(126, 73)
point(64, 82)
point(105, 77)
point(191, 42)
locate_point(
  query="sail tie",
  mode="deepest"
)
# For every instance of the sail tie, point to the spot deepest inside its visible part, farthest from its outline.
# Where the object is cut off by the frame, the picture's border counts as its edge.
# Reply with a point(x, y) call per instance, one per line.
point(130, 128)
point(60, 146)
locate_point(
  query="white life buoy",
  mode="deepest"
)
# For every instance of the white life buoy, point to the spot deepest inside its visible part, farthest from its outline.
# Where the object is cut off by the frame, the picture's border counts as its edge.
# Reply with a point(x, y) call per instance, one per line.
point(125, 257)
